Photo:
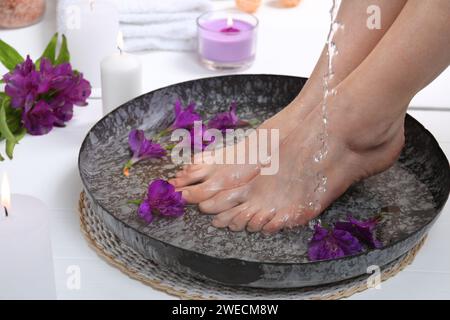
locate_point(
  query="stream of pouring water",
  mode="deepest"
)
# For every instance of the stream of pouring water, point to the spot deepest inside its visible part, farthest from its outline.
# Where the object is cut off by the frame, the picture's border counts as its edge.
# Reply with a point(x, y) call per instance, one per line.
point(321, 179)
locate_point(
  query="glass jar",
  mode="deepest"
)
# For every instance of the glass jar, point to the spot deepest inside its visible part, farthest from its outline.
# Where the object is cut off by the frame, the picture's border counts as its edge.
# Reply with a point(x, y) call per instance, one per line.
point(227, 39)
point(20, 13)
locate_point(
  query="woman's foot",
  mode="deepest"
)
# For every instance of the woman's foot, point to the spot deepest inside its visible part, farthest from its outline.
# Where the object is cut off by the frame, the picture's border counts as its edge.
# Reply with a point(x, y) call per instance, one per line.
point(358, 147)
point(201, 181)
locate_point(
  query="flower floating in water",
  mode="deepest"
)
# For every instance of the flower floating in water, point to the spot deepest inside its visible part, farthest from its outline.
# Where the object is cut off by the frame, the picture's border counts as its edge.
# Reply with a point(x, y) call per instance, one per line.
point(345, 238)
point(142, 149)
point(363, 230)
point(227, 120)
point(197, 138)
point(329, 244)
point(163, 200)
point(184, 118)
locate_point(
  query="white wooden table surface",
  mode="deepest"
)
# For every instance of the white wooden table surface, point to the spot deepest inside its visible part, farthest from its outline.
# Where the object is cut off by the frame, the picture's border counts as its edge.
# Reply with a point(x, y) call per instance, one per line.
point(289, 43)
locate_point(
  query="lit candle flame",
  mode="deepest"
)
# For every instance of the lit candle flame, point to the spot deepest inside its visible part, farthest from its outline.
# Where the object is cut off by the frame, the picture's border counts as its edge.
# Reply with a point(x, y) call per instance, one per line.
point(120, 43)
point(6, 193)
point(229, 22)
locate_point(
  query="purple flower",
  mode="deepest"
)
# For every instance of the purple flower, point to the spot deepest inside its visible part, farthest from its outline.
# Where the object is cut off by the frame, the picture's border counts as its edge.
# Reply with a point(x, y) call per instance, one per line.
point(363, 230)
point(59, 87)
point(197, 142)
point(142, 148)
point(78, 92)
point(24, 84)
point(39, 119)
point(227, 120)
point(329, 244)
point(66, 84)
point(161, 199)
point(184, 118)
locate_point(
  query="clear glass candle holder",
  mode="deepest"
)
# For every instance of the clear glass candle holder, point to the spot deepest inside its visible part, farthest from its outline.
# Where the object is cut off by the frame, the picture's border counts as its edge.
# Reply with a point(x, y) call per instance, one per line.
point(227, 39)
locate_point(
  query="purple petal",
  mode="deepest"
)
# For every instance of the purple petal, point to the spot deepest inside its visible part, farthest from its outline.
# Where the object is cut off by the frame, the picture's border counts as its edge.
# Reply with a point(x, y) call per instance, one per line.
point(159, 188)
point(332, 244)
point(62, 110)
point(40, 119)
point(150, 149)
point(226, 120)
point(135, 138)
point(184, 119)
point(363, 230)
point(145, 212)
point(163, 198)
point(349, 244)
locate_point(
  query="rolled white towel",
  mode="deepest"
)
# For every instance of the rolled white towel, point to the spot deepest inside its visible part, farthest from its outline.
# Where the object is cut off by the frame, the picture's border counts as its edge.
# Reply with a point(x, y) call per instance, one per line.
point(163, 17)
point(142, 44)
point(162, 6)
point(177, 30)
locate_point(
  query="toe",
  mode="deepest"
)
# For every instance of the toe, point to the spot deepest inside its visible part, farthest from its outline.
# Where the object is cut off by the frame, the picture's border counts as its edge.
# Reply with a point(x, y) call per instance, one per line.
point(224, 200)
point(201, 192)
point(223, 220)
point(301, 218)
point(258, 221)
point(241, 220)
point(278, 222)
point(184, 178)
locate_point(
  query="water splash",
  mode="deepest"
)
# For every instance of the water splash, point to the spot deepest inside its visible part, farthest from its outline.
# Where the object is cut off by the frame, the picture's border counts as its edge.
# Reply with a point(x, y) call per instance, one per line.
point(328, 91)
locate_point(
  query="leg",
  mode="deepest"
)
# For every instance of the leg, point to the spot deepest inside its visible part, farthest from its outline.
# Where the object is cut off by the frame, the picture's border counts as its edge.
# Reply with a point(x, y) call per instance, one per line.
point(356, 43)
point(365, 128)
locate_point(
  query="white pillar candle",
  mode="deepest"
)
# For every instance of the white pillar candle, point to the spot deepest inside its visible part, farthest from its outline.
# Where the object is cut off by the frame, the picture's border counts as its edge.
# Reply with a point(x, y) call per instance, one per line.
point(91, 28)
point(26, 260)
point(121, 78)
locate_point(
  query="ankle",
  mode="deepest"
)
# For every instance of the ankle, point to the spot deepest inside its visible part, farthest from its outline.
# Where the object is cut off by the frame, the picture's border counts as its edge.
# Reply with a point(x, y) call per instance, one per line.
point(364, 123)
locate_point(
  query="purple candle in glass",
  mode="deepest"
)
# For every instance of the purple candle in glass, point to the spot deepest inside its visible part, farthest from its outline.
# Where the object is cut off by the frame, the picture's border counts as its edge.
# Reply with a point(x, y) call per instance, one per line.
point(227, 39)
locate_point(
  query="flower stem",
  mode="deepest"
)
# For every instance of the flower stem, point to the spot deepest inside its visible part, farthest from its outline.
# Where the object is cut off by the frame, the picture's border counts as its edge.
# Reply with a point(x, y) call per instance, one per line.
point(169, 147)
point(162, 133)
point(137, 202)
point(127, 167)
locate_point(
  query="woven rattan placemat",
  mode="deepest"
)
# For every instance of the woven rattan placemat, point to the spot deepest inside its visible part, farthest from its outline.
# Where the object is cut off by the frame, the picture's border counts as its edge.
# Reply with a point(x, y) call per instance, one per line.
point(133, 264)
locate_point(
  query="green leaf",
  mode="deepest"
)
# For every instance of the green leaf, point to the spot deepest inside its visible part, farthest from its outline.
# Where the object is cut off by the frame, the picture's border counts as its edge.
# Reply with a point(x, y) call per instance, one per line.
point(1, 158)
point(9, 56)
point(11, 145)
point(4, 128)
point(50, 51)
point(64, 55)
point(13, 116)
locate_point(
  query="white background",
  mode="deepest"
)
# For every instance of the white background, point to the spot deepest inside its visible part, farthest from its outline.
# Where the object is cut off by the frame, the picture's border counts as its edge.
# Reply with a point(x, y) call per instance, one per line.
point(290, 41)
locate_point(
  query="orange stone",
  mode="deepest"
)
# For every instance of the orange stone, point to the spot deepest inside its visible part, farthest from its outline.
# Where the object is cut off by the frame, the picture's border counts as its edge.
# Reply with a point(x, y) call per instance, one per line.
point(249, 6)
point(289, 3)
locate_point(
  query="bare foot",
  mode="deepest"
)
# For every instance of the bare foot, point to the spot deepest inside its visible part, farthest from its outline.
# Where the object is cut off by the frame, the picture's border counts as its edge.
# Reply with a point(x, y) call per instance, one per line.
point(202, 181)
point(357, 148)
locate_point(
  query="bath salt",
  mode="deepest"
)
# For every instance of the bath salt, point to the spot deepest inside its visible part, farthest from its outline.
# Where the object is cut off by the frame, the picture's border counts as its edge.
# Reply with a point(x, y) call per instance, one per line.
point(20, 13)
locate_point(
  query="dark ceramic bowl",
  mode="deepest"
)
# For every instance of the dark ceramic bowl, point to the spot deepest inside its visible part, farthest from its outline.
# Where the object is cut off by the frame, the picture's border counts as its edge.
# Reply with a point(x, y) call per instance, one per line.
point(411, 193)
